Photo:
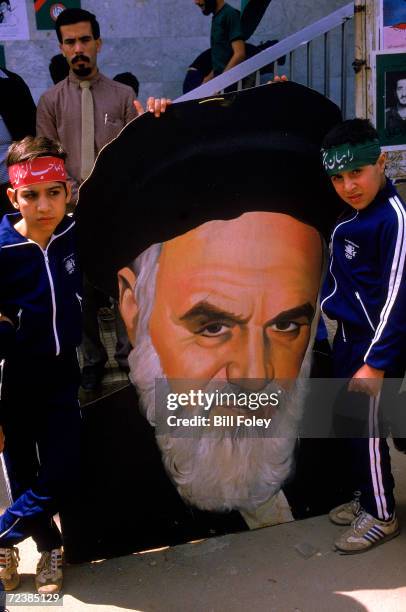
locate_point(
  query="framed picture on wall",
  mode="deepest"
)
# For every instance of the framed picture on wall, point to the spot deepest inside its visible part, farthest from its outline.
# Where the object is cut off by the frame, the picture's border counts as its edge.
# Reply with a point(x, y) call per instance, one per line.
point(393, 24)
point(13, 20)
point(47, 12)
point(390, 102)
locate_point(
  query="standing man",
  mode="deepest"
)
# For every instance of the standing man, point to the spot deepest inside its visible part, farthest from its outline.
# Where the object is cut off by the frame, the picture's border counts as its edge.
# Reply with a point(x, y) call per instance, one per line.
point(84, 112)
point(226, 39)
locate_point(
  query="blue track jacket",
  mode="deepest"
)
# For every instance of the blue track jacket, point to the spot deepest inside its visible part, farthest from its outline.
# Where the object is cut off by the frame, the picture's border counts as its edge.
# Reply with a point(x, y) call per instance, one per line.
point(40, 291)
point(365, 288)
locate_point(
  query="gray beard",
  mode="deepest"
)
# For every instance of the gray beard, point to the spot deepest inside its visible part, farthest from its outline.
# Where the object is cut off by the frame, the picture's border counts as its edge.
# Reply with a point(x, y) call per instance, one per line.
point(221, 472)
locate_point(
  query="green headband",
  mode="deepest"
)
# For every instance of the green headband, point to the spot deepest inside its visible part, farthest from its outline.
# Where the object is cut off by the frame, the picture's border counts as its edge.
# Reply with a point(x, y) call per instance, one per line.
point(349, 156)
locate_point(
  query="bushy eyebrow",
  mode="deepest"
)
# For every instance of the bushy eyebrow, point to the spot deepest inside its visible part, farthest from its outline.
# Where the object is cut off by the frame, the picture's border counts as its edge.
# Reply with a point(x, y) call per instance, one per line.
point(211, 312)
point(304, 310)
point(84, 38)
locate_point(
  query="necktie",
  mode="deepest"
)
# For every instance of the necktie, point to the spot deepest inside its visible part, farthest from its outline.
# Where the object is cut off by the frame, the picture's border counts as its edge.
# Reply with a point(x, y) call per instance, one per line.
point(87, 148)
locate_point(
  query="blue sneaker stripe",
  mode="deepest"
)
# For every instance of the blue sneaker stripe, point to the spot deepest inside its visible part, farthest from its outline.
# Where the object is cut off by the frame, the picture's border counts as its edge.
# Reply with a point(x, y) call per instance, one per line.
point(378, 531)
point(369, 538)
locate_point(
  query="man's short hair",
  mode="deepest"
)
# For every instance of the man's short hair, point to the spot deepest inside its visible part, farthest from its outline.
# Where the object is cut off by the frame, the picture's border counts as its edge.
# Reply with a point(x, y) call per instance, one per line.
point(31, 147)
point(352, 131)
point(71, 16)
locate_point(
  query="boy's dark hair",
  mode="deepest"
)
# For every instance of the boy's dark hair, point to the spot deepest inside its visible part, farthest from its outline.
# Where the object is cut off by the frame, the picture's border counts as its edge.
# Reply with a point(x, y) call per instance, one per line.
point(58, 68)
point(70, 16)
point(32, 147)
point(128, 78)
point(353, 131)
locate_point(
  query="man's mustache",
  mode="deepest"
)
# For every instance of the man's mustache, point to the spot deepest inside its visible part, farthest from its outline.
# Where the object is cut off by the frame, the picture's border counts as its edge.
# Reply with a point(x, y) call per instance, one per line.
point(80, 58)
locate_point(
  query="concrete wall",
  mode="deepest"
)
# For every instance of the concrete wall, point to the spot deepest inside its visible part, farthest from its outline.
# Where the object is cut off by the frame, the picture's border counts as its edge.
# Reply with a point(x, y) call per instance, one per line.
point(154, 39)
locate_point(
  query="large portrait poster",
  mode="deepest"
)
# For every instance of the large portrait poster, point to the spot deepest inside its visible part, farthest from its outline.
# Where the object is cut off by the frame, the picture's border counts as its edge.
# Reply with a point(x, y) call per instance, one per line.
point(393, 24)
point(13, 20)
point(391, 100)
point(216, 278)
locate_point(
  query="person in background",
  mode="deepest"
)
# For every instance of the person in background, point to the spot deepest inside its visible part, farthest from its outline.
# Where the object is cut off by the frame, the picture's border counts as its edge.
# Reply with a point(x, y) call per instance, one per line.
point(84, 112)
point(58, 68)
point(226, 39)
point(17, 119)
point(128, 78)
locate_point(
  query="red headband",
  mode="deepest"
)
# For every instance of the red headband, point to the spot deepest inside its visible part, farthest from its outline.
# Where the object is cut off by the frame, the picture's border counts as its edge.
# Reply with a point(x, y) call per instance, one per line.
point(38, 170)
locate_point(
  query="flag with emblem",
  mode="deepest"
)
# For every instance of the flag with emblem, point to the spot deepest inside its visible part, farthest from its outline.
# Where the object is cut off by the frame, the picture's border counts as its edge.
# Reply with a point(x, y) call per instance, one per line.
point(47, 12)
point(252, 12)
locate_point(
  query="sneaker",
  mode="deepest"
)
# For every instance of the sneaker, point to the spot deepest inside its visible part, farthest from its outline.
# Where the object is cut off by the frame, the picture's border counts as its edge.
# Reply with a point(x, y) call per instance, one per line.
point(9, 576)
point(49, 575)
point(346, 513)
point(366, 532)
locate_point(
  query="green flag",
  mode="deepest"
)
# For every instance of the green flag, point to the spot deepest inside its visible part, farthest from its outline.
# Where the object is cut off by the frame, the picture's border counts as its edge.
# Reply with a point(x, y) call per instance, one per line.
point(47, 11)
point(252, 12)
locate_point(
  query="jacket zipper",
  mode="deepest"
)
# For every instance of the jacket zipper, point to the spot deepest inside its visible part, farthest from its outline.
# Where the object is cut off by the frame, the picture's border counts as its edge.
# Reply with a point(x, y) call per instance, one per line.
point(364, 309)
point(19, 313)
point(79, 299)
point(342, 328)
point(331, 263)
point(51, 283)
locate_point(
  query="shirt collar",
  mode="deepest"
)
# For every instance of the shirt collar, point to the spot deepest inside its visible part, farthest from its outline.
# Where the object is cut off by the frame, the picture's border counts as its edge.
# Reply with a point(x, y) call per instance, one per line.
point(74, 79)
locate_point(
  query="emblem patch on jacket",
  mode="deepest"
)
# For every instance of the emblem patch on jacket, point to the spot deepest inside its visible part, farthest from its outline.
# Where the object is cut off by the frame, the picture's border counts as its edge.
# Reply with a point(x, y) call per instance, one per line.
point(70, 263)
point(350, 249)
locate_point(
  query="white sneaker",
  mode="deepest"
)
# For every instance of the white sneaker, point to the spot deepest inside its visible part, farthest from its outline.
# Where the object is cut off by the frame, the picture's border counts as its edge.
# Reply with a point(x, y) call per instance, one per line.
point(9, 576)
point(346, 513)
point(366, 532)
point(49, 574)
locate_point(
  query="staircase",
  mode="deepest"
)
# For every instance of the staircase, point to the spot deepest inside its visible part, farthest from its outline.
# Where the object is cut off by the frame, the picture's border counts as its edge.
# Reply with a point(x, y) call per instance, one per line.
point(319, 56)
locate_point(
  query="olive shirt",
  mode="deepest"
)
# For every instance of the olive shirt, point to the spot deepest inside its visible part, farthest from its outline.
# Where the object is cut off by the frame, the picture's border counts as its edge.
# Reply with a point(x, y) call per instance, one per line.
point(59, 115)
point(225, 29)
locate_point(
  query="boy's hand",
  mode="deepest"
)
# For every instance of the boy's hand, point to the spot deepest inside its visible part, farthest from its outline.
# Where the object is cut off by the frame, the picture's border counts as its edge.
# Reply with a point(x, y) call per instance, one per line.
point(367, 380)
point(2, 439)
point(154, 105)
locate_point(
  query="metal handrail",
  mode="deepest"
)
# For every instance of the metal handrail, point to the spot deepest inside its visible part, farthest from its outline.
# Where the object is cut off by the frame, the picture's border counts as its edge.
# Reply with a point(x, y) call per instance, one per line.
point(285, 47)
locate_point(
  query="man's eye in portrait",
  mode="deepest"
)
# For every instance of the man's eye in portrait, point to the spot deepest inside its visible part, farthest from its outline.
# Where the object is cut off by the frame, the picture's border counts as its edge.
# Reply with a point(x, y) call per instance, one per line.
point(286, 326)
point(215, 329)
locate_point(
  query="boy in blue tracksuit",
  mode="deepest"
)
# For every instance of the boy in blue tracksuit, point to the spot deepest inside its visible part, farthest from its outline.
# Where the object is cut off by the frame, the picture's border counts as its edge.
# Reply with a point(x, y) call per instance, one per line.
point(365, 292)
point(40, 328)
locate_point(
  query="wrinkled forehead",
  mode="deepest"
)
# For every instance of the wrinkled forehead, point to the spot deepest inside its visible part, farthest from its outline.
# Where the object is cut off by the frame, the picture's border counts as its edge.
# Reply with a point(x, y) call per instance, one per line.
point(257, 240)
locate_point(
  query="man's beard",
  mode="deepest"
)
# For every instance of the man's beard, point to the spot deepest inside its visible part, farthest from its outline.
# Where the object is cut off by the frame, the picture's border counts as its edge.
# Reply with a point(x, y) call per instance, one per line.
point(82, 71)
point(223, 472)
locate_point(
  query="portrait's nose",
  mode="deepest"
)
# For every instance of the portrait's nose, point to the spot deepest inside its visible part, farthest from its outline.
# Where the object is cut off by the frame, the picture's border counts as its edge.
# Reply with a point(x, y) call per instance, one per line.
point(249, 368)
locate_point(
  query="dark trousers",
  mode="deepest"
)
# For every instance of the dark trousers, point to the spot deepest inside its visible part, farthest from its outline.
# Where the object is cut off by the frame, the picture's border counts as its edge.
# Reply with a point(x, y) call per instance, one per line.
point(93, 349)
point(42, 426)
point(362, 417)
